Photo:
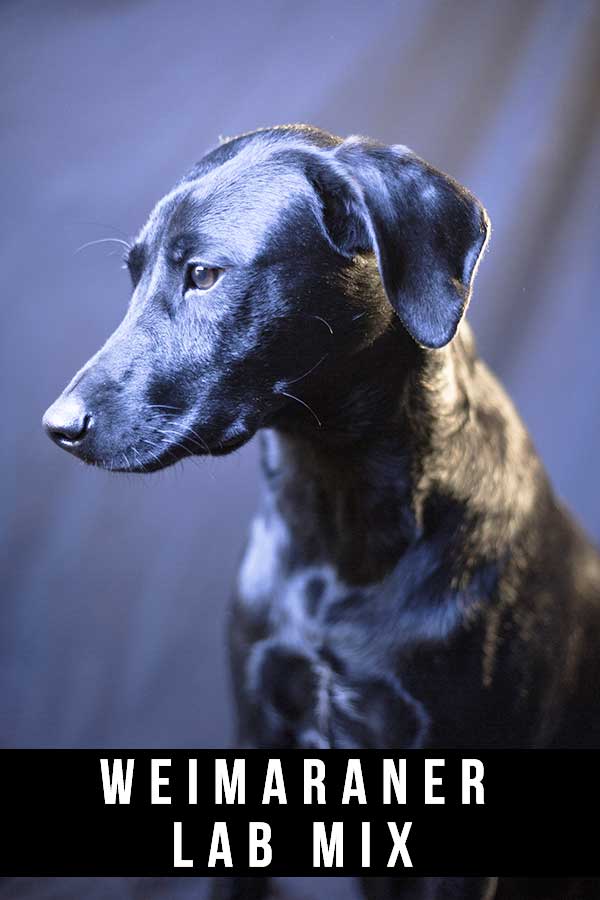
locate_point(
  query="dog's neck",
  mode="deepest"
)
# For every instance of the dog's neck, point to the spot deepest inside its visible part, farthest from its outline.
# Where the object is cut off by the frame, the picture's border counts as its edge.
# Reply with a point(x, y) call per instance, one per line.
point(400, 461)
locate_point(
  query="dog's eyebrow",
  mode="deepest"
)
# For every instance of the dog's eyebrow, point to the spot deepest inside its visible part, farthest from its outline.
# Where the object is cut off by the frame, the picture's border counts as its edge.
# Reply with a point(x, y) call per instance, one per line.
point(135, 258)
point(194, 244)
point(181, 246)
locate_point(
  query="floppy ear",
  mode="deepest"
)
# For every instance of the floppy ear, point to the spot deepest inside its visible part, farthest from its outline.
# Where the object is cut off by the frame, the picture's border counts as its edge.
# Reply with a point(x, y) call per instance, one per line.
point(426, 231)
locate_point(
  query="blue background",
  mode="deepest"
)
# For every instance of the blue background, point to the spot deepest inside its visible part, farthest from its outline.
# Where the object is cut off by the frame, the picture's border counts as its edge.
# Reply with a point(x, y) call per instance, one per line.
point(114, 588)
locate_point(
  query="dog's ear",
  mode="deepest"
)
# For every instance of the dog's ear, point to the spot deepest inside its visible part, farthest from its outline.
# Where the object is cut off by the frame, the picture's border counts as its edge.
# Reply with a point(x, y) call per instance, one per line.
point(426, 231)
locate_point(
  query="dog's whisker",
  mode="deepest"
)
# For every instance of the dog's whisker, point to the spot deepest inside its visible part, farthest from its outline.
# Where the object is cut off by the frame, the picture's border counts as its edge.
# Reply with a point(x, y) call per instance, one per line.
point(138, 460)
point(186, 430)
point(181, 434)
point(151, 452)
point(177, 434)
point(306, 374)
point(187, 453)
point(177, 446)
point(164, 406)
point(200, 438)
point(169, 452)
point(304, 403)
point(104, 225)
point(325, 322)
point(106, 240)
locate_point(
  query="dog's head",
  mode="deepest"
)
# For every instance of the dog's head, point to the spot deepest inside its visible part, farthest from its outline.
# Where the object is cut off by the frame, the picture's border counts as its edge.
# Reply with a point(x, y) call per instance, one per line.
point(269, 270)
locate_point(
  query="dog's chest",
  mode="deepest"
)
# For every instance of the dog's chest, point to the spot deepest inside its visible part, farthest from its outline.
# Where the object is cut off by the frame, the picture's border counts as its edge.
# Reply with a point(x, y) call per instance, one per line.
point(301, 673)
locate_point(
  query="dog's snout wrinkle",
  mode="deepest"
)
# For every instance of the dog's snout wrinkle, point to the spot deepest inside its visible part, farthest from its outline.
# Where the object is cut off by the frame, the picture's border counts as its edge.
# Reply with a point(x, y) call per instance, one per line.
point(67, 421)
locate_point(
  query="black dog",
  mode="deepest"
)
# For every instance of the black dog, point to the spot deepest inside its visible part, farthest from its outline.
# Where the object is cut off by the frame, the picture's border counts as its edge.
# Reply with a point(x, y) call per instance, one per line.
point(411, 579)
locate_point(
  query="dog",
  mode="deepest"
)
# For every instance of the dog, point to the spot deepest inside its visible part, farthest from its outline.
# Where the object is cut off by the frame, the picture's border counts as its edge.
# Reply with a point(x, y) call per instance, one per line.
point(411, 579)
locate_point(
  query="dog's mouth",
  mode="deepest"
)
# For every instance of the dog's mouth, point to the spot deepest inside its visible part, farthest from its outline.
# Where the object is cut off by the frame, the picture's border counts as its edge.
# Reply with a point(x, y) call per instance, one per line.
point(157, 438)
point(154, 452)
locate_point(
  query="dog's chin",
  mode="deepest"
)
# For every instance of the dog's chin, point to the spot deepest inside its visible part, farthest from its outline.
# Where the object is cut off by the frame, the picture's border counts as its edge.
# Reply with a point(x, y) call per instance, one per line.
point(139, 461)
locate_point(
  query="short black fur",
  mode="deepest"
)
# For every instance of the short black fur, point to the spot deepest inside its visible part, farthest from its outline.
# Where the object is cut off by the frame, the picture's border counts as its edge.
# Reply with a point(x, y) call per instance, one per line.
point(411, 579)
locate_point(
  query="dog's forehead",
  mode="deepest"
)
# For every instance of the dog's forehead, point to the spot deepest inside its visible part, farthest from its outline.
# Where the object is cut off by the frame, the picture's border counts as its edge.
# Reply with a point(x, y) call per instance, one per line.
point(233, 208)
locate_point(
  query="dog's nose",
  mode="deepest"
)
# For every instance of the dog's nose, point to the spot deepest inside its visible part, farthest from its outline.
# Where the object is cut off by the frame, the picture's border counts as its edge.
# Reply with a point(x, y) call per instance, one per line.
point(67, 421)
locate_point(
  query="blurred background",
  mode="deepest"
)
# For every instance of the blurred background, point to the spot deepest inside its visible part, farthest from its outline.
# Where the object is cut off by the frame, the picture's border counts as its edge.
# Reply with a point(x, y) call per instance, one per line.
point(114, 588)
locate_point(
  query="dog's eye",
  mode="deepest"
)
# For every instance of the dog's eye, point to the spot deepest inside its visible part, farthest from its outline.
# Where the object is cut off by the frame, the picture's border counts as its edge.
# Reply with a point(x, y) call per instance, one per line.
point(203, 277)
